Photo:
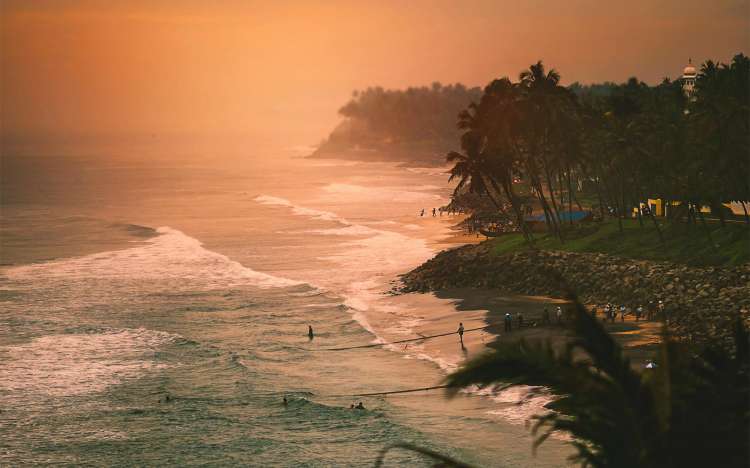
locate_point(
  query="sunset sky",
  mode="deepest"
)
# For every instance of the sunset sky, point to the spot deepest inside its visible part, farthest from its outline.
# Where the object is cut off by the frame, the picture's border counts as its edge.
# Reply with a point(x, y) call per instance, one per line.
point(277, 71)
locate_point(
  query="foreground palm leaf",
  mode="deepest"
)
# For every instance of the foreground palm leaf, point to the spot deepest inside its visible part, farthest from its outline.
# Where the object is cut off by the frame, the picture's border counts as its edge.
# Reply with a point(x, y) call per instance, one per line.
point(691, 411)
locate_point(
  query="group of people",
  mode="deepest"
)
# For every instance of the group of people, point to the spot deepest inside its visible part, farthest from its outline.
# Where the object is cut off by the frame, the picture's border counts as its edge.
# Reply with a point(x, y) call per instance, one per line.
point(435, 211)
point(638, 312)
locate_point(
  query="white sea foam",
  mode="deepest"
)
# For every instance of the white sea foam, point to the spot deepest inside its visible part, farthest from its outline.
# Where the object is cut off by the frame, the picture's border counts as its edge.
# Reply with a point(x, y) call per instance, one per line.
point(351, 230)
point(171, 259)
point(299, 210)
point(431, 171)
point(399, 194)
point(76, 364)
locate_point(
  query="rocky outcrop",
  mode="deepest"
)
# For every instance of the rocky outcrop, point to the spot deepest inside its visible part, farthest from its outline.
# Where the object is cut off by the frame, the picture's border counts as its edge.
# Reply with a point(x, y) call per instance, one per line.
point(701, 302)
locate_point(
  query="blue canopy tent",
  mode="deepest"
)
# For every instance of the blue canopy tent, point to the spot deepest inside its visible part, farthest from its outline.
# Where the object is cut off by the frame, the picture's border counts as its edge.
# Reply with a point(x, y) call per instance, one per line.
point(565, 217)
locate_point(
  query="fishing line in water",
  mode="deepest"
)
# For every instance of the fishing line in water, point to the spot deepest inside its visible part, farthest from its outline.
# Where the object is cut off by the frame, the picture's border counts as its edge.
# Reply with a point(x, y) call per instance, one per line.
point(392, 392)
point(421, 338)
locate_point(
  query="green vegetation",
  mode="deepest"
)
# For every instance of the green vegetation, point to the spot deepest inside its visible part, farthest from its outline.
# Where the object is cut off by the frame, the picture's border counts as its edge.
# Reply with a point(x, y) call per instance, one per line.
point(381, 120)
point(684, 243)
point(617, 144)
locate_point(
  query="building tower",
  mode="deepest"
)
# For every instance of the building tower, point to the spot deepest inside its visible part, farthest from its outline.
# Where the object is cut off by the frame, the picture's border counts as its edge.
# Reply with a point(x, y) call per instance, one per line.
point(689, 74)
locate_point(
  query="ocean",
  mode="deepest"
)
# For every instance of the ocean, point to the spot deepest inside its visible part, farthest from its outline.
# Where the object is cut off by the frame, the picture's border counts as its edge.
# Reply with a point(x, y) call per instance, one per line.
point(154, 311)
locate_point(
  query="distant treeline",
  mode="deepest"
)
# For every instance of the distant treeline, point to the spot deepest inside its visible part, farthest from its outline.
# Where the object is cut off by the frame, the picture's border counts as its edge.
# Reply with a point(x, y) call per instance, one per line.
point(627, 142)
point(417, 121)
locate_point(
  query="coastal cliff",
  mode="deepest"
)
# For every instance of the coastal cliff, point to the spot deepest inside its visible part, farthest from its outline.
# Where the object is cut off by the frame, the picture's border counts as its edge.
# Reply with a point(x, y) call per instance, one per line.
point(701, 302)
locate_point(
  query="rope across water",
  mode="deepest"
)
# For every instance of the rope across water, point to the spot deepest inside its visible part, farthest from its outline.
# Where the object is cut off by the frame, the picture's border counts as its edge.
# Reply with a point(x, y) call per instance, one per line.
point(421, 338)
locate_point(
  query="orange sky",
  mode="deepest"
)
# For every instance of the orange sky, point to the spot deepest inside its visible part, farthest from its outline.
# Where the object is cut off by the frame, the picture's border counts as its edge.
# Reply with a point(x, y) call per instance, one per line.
point(277, 71)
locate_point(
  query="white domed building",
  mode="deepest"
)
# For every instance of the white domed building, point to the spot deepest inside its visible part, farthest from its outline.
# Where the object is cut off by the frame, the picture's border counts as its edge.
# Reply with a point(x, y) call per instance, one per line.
point(689, 75)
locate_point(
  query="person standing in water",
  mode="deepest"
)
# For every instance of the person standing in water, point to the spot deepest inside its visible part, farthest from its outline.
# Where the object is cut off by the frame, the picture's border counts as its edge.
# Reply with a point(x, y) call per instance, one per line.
point(460, 332)
point(285, 402)
point(310, 333)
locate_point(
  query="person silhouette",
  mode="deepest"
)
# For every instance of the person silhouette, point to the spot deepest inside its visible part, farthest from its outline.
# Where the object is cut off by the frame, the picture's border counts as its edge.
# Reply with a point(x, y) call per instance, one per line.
point(310, 333)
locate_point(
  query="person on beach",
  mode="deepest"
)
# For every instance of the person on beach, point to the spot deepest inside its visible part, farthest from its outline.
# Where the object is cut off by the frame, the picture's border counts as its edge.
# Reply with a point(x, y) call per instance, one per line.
point(310, 333)
point(508, 322)
point(638, 312)
point(622, 312)
point(460, 332)
point(433, 212)
point(520, 320)
point(607, 312)
point(558, 312)
point(422, 212)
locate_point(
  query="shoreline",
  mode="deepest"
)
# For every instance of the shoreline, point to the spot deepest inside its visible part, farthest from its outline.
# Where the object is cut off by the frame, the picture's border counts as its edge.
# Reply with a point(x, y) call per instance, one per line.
point(701, 302)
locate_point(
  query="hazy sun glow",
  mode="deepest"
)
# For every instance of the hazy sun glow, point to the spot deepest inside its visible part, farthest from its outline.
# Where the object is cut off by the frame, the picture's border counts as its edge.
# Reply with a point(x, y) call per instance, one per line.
point(278, 71)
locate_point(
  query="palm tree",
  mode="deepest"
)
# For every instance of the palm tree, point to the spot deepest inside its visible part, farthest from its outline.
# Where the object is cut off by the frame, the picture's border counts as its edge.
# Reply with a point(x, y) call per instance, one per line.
point(545, 105)
point(472, 168)
point(486, 125)
point(693, 410)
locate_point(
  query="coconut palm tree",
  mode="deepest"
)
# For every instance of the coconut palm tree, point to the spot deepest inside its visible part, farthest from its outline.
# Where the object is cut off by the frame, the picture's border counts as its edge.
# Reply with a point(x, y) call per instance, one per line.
point(472, 168)
point(692, 410)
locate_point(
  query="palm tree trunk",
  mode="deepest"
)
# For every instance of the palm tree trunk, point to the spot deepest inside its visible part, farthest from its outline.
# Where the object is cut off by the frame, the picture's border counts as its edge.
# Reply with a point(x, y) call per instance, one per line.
point(551, 190)
point(598, 189)
point(656, 225)
point(537, 184)
point(516, 207)
point(492, 199)
point(570, 197)
point(705, 226)
point(653, 218)
point(719, 208)
point(601, 201)
point(560, 186)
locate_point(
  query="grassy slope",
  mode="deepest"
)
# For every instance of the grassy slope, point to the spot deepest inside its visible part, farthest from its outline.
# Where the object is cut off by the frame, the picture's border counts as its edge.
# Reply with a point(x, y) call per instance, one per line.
point(682, 244)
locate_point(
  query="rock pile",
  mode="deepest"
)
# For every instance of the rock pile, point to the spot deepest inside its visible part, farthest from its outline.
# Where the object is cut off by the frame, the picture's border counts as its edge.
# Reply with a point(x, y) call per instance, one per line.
point(701, 302)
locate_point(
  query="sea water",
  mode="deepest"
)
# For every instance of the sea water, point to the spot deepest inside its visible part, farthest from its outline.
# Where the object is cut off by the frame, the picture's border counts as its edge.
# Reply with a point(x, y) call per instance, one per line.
point(128, 280)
